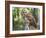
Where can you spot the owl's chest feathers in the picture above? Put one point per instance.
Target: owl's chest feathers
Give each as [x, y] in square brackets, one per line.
[29, 22]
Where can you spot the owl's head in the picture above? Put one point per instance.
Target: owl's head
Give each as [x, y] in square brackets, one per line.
[25, 11]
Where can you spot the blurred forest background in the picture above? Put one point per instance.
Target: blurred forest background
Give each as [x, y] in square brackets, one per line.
[17, 17]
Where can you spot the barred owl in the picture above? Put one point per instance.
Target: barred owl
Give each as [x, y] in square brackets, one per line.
[29, 21]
